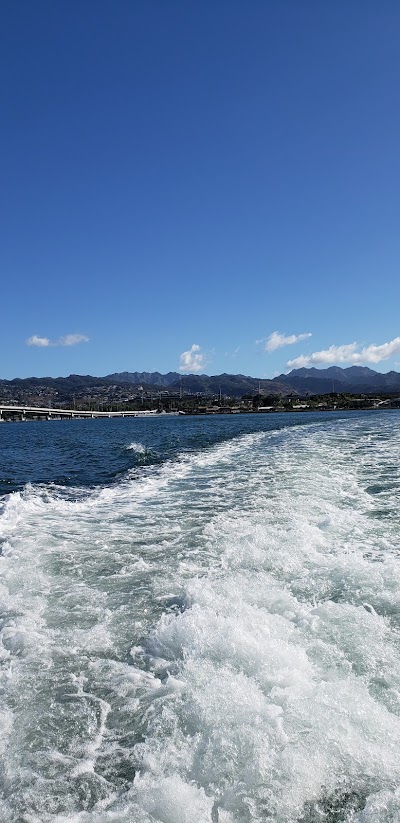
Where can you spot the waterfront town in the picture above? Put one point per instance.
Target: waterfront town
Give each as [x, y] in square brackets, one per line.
[117, 400]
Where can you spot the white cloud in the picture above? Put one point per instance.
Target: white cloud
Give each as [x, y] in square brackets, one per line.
[42, 342]
[276, 340]
[192, 360]
[348, 353]
[72, 340]
[66, 340]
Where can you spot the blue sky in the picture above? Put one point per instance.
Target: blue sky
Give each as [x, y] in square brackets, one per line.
[182, 180]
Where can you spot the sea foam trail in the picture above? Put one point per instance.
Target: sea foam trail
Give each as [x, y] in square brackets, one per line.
[216, 641]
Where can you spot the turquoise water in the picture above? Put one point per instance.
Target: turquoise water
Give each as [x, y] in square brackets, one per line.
[200, 620]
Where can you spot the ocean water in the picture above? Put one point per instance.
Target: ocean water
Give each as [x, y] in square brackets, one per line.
[200, 620]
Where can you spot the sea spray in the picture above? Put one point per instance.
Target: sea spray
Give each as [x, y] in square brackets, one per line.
[138, 448]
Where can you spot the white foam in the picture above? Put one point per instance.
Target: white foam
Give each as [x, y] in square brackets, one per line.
[271, 691]
[139, 448]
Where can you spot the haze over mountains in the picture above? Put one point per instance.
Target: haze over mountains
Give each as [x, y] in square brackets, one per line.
[354, 380]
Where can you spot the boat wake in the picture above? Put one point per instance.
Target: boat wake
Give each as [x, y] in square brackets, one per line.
[215, 641]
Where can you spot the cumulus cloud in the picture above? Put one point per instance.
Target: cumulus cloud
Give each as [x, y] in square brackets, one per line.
[347, 353]
[192, 360]
[66, 340]
[276, 340]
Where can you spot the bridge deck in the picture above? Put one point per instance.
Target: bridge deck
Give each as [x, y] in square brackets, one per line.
[41, 411]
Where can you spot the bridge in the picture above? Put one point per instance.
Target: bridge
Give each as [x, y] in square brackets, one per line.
[42, 413]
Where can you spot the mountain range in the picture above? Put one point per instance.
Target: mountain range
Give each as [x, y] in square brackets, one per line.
[353, 380]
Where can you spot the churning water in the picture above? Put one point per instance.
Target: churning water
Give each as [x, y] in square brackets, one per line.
[200, 620]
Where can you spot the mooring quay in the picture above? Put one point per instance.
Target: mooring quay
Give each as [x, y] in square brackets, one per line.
[41, 413]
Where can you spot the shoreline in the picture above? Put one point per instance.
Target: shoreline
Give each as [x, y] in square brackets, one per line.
[26, 415]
